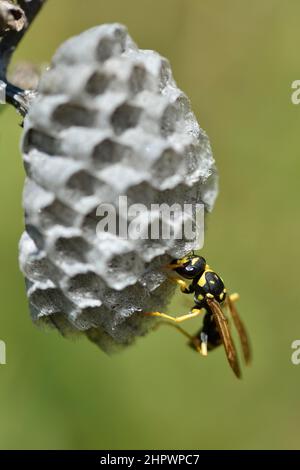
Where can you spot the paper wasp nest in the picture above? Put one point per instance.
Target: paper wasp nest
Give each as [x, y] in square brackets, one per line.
[109, 120]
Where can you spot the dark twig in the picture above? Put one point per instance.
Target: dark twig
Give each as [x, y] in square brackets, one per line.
[19, 98]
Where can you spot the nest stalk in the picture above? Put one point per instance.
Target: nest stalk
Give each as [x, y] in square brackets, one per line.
[15, 20]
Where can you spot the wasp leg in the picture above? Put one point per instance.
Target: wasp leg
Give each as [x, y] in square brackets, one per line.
[194, 340]
[204, 341]
[234, 297]
[193, 314]
[184, 287]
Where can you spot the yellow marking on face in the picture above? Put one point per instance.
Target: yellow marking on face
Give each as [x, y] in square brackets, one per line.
[195, 260]
[200, 297]
[222, 296]
[210, 296]
[224, 290]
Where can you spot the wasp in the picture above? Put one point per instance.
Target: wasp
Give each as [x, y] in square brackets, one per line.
[210, 296]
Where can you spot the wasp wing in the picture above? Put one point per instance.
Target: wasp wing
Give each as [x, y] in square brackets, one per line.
[223, 328]
[241, 330]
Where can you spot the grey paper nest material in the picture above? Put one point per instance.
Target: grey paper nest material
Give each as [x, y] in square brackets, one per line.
[109, 121]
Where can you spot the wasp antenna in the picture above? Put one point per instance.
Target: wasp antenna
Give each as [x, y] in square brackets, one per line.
[172, 266]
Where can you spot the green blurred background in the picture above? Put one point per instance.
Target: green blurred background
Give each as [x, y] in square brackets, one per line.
[236, 60]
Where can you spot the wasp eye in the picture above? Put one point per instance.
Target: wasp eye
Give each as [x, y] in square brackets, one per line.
[190, 269]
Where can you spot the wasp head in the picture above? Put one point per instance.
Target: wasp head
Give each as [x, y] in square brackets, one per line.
[190, 266]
